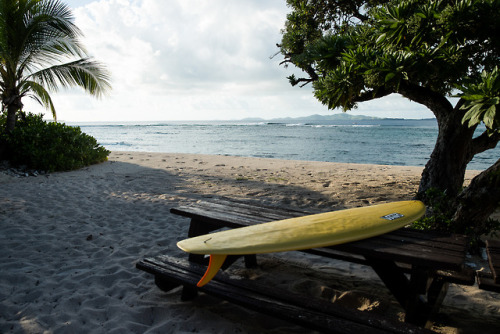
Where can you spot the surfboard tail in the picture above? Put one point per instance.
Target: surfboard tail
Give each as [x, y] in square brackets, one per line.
[216, 262]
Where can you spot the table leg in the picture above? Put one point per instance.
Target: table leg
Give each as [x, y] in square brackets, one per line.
[393, 278]
[417, 308]
[436, 293]
[196, 228]
[408, 292]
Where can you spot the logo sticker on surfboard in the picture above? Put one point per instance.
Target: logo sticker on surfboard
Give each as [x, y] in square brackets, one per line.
[392, 216]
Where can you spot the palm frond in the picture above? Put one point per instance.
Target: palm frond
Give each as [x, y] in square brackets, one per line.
[48, 53]
[40, 51]
[50, 33]
[85, 73]
[39, 94]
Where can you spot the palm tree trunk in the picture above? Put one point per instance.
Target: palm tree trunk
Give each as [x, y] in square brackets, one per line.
[9, 127]
[12, 109]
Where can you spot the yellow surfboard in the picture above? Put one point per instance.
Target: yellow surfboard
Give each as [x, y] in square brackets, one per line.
[319, 230]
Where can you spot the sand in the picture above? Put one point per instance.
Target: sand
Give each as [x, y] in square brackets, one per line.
[69, 243]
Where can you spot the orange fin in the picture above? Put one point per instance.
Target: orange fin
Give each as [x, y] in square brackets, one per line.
[216, 262]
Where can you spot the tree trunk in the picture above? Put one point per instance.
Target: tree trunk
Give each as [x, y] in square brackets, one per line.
[12, 110]
[13, 104]
[445, 170]
[478, 201]
[3, 148]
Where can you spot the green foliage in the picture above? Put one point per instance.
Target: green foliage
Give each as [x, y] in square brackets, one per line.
[360, 50]
[481, 101]
[51, 146]
[440, 214]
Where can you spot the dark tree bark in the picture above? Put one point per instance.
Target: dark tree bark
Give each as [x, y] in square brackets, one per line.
[455, 147]
[3, 149]
[445, 170]
[478, 201]
[13, 107]
[446, 167]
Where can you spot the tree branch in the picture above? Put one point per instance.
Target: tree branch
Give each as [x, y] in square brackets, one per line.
[304, 80]
[436, 102]
[372, 94]
[485, 142]
[312, 73]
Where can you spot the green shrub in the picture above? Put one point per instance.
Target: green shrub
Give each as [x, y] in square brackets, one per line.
[439, 217]
[51, 146]
[439, 214]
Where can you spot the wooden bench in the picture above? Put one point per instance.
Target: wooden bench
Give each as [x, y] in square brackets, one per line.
[316, 314]
[487, 281]
[415, 266]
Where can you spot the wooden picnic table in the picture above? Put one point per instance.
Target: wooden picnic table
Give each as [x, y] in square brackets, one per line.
[415, 266]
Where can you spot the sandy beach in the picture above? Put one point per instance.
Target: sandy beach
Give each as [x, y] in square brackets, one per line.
[69, 243]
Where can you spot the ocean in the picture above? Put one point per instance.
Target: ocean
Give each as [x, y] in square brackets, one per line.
[379, 141]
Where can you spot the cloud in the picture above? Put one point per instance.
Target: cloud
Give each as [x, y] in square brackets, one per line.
[187, 59]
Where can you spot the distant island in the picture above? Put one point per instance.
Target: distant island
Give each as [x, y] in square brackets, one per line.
[323, 118]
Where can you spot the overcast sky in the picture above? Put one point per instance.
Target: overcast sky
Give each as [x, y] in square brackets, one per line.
[194, 60]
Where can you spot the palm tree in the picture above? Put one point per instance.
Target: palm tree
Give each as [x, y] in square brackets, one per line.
[40, 52]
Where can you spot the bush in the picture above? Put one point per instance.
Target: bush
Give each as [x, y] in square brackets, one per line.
[439, 212]
[50, 146]
[439, 217]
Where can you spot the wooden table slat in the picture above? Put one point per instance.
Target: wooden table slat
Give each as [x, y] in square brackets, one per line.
[262, 207]
[412, 254]
[219, 211]
[219, 217]
[452, 239]
[427, 240]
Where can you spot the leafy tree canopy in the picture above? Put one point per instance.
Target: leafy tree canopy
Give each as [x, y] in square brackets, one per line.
[354, 51]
